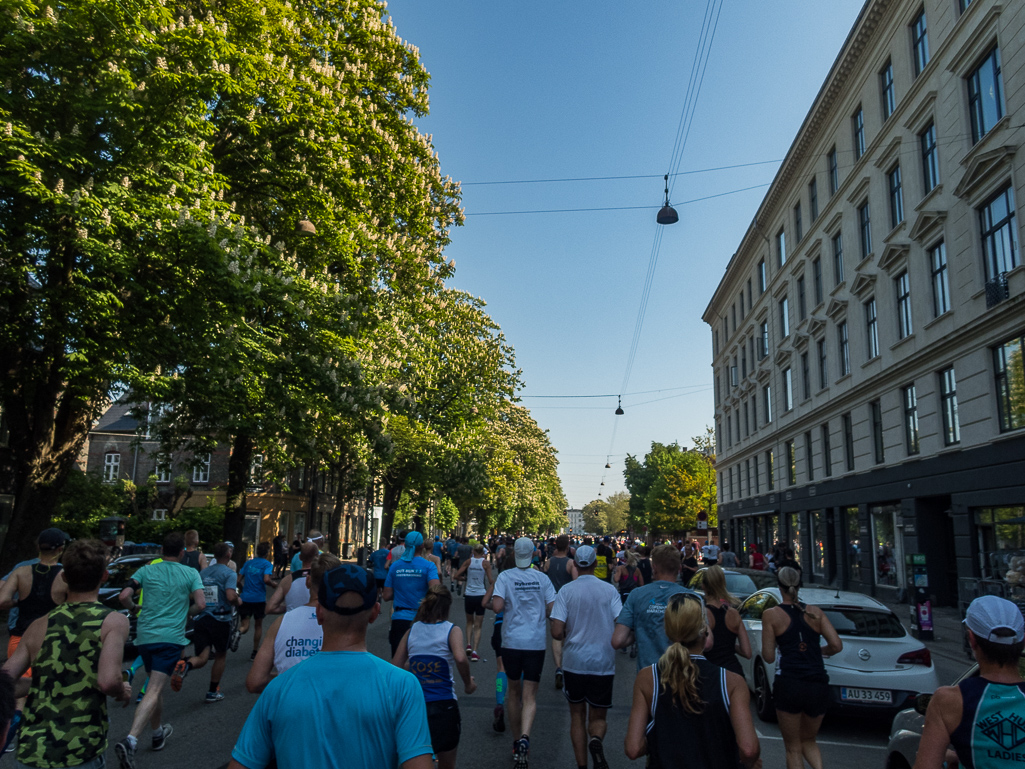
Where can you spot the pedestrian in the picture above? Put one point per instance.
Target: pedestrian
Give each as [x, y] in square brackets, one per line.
[280, 549]
[584, 618]
[451, 548]
[687, 712]
[406, 584]
[559, 568]
[605, 553]
[438, 548]
[398, 548]
[432, 650]
[729, 636]
[379, 562]
[343, 706]
[477, 572]
[688, 564]
[526, 597]
[254, 578]
[640, 621]
[710, 553]
[160, 635]
[212, 633]
[193, 554]
[728, 558]
[978, 714]
[756, 559]
[292, 591]
[75, 654]
[801, 688]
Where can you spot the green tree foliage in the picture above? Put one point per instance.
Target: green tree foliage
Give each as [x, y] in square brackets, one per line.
[595, 517]
[675, 485]
[617, 511]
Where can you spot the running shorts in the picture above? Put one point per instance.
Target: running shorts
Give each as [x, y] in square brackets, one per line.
[12, 645]
[455, 565]
[253, 609]
[445, 725]
[496, 639]
[523, 663]
[796, 695]
[211, 632]
[160, 658]
[595, 690]
[474, 604]
[380, 582]
[397, 630]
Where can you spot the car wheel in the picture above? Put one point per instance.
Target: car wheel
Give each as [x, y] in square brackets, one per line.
[763, 695]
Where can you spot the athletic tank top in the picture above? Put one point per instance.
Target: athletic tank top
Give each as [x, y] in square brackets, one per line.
[601, 567]
[992, 729]
[708, 735]
[645, 566]
[39, 601]
[475, 578]
[628, 580]
[66, 714]
[431, 660]
[800, 655]
[723, 652]
[299, 636]
[558, 571]
[191, 558]
[298, 594]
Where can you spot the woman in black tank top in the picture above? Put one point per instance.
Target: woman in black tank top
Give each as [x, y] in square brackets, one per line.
[686, 711]
[729, 636]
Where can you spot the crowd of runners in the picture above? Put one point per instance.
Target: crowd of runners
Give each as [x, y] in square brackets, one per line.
[318, 683]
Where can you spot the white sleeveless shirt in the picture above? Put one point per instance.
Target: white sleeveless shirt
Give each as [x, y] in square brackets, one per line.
[299, 637]
[475, 581]
[298, 594]
[431, 660]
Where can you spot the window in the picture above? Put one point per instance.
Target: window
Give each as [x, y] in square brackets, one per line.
[865, 226]
[876, 409]
[160, 515]
[910, 419]
[743, 362]
[747, 420]
[838, 257]
[770, 481]
[848, 441]
[823, 373]
[788, 389]
[920, 42]
[805, 376]
[940, 289]
[896, 197]
[784, 317]
[816, 271]
[754, 414]
[111, 467]
[948, 407]
[715, 342]
[985, 100]
[963, 5]
[1009, 372]
[886, 90]
[791, 459]
[808, 457]
[999, 234]
[858, 127]
[781, 247]
[725, 328]
[813, 199]
[738, 427]
[834, 172]
[764, 340]
[798, 224]
[750, 302]
[733, 314]
[734, 370]
[758, 482]
[903, 288]
[730, 489]
[843, 346]
[761, 277]
[853, 543]
[742, 305]
[871, 328]
[718, 442]
[802, 308]
[747, 472]
[729, 429]
[827, 452]
[930, 159]
[201, 471]
[256, 469]
[767, 403]
[163, 469]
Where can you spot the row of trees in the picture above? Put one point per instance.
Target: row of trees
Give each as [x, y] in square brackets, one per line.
[226, 209]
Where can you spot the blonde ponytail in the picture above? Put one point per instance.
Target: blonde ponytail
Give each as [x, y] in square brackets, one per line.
[789, 580]
[685, 623]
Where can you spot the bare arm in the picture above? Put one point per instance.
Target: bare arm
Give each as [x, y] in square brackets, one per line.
[127, 596]
[498, 604]
[59, 589]
[636, 743]
[462, 569]
[417, 762]
[276, 604]
[8, 589]
[622, 637]
[262, 670]
[456, 645]
[736, 625]
[769, 636]
[401, 658]
[740, 717]
[432, 582]
[198, 602]
[387, 594]
[203, 562]
[558, 629]
[942, 717]
[27, 650]
[113, 634]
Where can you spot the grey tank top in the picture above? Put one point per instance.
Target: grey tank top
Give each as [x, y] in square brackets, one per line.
[558, 572]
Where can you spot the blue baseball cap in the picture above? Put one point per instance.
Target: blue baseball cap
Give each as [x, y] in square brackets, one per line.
[413, 540]
[347, 578]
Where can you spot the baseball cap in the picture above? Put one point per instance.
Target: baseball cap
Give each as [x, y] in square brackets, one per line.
[585, 556]
[989, 613]
[524, 552]
[50, 539]
[413, 540]
[347, 578]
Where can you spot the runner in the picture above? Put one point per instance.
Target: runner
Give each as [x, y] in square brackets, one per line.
[526, 597]
[34, 588]
[585, 618]
[280, 549]
[438, 548]
[729, 558]
[451, 548]
[212, 634]
[379, 560]
[729, 636]
[292, 590]
[560, 571]
[463, 554]
[160, 635]
[407, 583]
[193, 554]
[710, 553]
[254, 577]
[317, 539]
[605, 554]
[477, 572]
[501, 679]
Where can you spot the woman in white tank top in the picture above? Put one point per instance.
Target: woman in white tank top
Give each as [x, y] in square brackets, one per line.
[478, 579]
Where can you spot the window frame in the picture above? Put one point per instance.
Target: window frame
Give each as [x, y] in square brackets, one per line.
[802, 303]
[902, 289]
[784, 316]
[798, 223]
[848, 441]
[992, 260]
[865, 229]
[939, 279]
[909, 399]
[843, 345]
[919, 42]
[976, 91]
[858, 133]
[876, 417]
[805, 375]
[763, 278]
[770, 469]
[1002, 378]
[767, 403]
[834, 171]
[808, 456]
[787, 376]
[201, 469]
[871, 327]
[813, 199]
[930, 157]
[823, 358]
[111, 466]
[886, 91]
[827, 451]
[948, 407]
[790, 451]
[781, 247]
[838, 270]
[816, 273]
[895, 187]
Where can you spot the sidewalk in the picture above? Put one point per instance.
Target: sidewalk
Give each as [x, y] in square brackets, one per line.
[948, 632]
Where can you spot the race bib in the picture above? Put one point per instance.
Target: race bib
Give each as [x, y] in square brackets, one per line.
[210, 592]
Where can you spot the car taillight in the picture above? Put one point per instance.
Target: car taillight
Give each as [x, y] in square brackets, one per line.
[918, 657]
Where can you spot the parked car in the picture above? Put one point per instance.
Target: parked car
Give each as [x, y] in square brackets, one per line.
[739, 585]
[881, 670]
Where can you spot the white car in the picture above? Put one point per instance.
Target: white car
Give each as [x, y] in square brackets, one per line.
[880, 670]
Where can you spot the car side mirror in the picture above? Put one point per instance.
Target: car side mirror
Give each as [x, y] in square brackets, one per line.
[922, 703]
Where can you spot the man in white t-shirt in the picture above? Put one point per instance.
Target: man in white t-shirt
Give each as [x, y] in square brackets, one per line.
[526, 596]
[710, 553]
[584, 618]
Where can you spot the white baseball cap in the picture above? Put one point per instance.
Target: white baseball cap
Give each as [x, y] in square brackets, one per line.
[524, 552]
[989, 613]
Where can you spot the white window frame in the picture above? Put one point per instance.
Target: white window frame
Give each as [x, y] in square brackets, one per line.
[111, 466]
[201, 472]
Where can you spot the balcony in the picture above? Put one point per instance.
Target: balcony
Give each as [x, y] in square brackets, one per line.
[996, 290]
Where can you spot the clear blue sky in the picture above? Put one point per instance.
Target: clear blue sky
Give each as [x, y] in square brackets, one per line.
[533, 90]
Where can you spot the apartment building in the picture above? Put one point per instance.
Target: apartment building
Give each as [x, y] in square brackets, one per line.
[867, 335]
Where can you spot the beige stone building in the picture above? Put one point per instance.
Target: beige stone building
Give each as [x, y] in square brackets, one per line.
[868, 332]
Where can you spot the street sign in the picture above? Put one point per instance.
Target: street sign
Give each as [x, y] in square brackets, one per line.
[702, 525]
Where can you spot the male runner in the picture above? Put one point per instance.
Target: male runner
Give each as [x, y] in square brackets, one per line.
[525, 596]
[605, 563]
[710, 553]
[379, 561]
[36, 585]
[451, 548]
[560, 572]
[585, 617]
[280, 549]
[317, 539]
[407, 583]
[463, 554]
[477, 573]
[253, 578]
[292, 590]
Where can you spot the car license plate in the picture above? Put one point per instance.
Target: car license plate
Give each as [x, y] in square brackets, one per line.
[874, 696]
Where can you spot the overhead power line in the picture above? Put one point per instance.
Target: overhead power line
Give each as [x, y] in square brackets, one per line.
[619, 178]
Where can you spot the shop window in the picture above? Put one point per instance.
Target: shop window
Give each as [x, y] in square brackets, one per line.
[887, 547]
[1001, 533]
[853, 543]
[818, 542]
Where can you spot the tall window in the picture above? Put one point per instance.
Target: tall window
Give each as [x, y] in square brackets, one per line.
[813, 198]
[805, 375]
[747, 420]
[201, 471]
[754, 414]
[816, 272]
[798, 224]
[865, 227]
[876, 409]
[940, 289]
[896, 197]
[823, 373]
[758, 482]
[920, 42]
[781, 247]
[788, 389]
[761, 277]
[808, 457]
[750, 302]
[784, 317]
[903, 287]
[871, 328]
[843, 345]
[767, 403]
[930, 159]
[747, 472]
[111, 467]
[802, 305]
[163, 469]
[886, 90]
[729, 429]
[1009, 372]
[948, 407]
[730, 487]
[999, 233]
[770, 469]
[910, 419]
[985, 100]
[834, 172]
[827, 452]
[791, 459]
[764, 340]
[742, 305]
[848, 441]
[838, 257]
[743, 362]
[858, 127]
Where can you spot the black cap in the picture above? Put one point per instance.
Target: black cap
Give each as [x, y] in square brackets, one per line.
[51, 539]
[347, 578]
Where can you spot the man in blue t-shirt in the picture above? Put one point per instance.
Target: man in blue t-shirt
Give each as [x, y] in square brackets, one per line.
[254, 577]
[383, 719]
[439, 548]
[379, 560]
[407, 583]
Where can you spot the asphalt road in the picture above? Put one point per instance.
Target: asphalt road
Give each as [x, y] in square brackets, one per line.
[205, 734]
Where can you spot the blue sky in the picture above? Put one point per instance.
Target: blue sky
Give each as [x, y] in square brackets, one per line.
[553, 90]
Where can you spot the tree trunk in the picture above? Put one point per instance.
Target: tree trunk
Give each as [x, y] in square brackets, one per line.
[390, 503]
[235, 504]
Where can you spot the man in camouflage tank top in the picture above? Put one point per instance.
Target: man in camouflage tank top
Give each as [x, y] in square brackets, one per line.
[75, 653]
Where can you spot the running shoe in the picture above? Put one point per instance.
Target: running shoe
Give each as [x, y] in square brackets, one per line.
[234, 638]
[597, 753]
[165, 731]
[499, 723]
[178, 676]
[125, 754]
[468, 648]
[214, 696]
[558, 678]
[520, 749]
[474, 657]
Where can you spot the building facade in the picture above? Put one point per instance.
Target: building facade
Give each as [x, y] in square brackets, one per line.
[575, 521]
[868, 333]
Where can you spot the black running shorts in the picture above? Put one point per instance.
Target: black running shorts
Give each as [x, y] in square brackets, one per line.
[444, 724]
[596, 691]
[523, 663]
[253, 609]
[474, 604]
[397, 630]
[211, 632]
[794, 695]
[496, 639]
